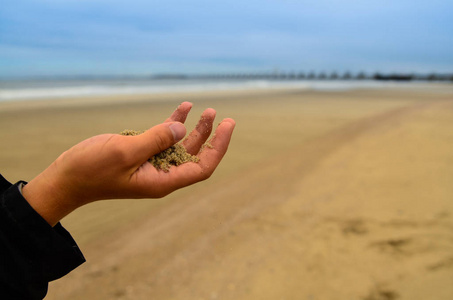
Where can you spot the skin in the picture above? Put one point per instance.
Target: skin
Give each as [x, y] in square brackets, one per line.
[112, 166]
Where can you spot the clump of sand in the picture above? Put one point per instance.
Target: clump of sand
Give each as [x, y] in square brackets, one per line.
[130, 132]
[173, 156]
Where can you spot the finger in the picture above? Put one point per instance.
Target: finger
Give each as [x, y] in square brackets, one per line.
[217, 146]
[156, 140]
[181, 112]
[201, 133]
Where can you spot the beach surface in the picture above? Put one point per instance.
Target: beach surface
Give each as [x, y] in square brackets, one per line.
[322, 195]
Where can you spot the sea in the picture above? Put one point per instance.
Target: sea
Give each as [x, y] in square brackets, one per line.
[57, 88]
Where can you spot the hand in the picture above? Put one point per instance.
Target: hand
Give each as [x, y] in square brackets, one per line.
[112, 166]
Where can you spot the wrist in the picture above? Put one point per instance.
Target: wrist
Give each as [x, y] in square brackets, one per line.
[47, 198]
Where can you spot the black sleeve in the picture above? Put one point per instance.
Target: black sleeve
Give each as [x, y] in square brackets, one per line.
[32, 253]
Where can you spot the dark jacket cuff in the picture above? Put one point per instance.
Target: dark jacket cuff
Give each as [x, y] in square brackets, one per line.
[52, 251]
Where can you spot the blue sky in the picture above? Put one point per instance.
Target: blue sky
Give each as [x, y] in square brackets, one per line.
[100, 37]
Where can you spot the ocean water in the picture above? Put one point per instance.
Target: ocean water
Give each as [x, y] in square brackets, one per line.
[16, 90]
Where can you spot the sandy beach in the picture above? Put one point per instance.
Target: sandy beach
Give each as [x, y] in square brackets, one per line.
[322, 195]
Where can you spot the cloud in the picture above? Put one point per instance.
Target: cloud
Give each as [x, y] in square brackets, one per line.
[225, 34]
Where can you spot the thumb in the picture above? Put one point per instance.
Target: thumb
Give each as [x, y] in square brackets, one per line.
[159, 138]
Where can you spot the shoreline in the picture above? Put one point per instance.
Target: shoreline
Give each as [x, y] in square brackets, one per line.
[169, 94]
[127, 99]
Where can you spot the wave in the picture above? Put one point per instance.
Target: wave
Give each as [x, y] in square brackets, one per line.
[66, 89]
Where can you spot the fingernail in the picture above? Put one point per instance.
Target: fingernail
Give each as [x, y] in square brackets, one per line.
[178, 130]
[229, 121]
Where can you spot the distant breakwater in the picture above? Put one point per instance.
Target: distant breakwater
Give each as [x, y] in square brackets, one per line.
[316, 76]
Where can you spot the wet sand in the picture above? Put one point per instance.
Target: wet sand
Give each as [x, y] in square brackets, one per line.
[322, 195]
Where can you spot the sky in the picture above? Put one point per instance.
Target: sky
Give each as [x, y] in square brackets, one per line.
[145, 37]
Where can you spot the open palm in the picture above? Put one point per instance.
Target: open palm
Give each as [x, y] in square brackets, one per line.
[112, 166]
